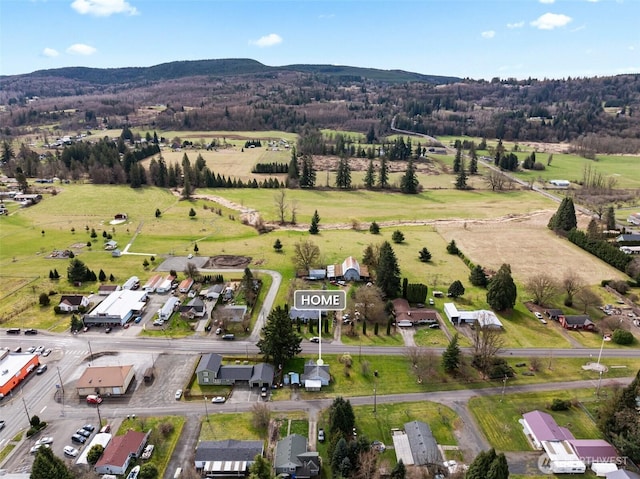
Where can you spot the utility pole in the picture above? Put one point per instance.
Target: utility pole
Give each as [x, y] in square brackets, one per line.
[90, 353]
[61, 388]
[206, 411]
[26, 410]
[504, 386]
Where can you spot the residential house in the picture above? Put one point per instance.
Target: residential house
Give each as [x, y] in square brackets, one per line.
[580, 321]
[566, 454]
[416, 445]
[168, 308]
[73, 302]
[120, 451]
[292, 457]
[482, 317]
[628, 240]
[213, 293]
[110, 245]
[210, 370]
[151, 285]
[186, 285]
[304, 315]
[195, 308]
[315, 376]
[348, 270]
[622, 474]
[554, 314]
[228, 458]
[404, 312]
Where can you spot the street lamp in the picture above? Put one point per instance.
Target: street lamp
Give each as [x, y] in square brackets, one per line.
[504, 385]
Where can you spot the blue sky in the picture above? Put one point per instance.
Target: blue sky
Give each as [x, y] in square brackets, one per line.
[465, 38]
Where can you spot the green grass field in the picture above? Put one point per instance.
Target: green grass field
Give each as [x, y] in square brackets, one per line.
[499, 419]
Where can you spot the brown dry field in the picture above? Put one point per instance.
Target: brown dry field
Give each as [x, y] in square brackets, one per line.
[527, 245]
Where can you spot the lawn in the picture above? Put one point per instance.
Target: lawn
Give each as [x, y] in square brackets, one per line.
[499, 419]
[165, 432]
[221, 426]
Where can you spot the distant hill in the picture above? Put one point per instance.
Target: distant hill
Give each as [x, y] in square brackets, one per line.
[223, 67]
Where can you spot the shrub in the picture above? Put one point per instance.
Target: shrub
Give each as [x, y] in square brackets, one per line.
[620, 336]
[166, 429]
[560, 405]
[620, 286]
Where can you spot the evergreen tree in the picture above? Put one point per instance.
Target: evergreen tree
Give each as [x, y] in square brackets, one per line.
[102, 276]
[277, 245]
[425, 255]
[502, 291]
[340, 453]
[49, 466]
[593, 230]
[260, 468]
[248, 288]
[374, 229]
[294, 172]
[461, 179]
[409, 182]
[370, 176]
[397, 237]
[457, 161]
[315, 219]
[388, 272]
[452, 248]
[456, 289]
[477, 277]
[158, 213]
[279, 341]
[499, 468]
[473, 163]
[610, 219]
[479, 468]
[343, 176]
[341, 417]
[399, 471]
[371, 135]
[77, 271]
[308, 177]
[383, 174]
[451, 356]
[192, 213]
[564, 219]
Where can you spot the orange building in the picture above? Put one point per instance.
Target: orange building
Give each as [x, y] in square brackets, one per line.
[14, 367]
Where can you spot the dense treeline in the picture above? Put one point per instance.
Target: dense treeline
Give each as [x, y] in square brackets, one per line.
[598, 114]
[600, 248]
[270, 168]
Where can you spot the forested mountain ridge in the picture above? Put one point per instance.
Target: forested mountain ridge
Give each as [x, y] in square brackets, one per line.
[599, 114]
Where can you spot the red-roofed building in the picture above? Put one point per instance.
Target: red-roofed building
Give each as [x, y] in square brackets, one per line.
[120, 451]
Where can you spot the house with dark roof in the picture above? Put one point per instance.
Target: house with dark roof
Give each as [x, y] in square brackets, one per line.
[315, 376]
[622, 474]
[120, 451]
[554, 314]
[628, 240]
[580, 321]
[72, 302]
[594, 450]
[193, 309]
[228, 458]
[403, 311]
[292, 457]
[107, 289]
[417, 446]
[211, 371]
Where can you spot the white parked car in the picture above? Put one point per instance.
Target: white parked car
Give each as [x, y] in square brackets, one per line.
[538, 315]
[44, 440]
[35, 448]
[148, 450]
[218, 399]
[178, 394]
[70, 451]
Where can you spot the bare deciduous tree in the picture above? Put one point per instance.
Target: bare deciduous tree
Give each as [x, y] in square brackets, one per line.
[260, 417]
[306, 255]
[542, 287]
[588, 298]
[191, 271]
[369, 302]
[280, 200]
[487, 343]
[571, 284]
[496, 180]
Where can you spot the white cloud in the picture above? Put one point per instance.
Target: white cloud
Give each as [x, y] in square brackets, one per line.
[103, 8]
[81, 49]
[50, 52]
[267, 41]
[547, 1]
[515, 25]
[549, 21]
[488, 34]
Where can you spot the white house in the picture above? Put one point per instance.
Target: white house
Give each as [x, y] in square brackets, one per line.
[169, 307]
[72, 302]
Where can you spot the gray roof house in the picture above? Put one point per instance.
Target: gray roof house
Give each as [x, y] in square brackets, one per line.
[622, 474]
[193, 309]
[291, 457]
[228, 458]
[315, 376]
[210, 370]
[424, 447]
